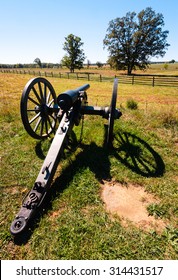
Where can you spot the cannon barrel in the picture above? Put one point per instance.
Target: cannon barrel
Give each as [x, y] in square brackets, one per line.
[66, 99]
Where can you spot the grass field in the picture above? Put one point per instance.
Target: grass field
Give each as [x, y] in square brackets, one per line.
[74, 223]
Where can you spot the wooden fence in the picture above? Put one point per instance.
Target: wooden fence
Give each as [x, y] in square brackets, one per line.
[151, 80]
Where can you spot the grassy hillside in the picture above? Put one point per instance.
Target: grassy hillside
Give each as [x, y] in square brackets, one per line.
[74, 222]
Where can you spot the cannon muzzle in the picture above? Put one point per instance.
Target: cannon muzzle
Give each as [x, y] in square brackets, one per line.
[67, 99]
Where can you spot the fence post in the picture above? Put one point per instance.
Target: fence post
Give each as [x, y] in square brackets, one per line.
[132, 80]
[100, 78]
[153, 82]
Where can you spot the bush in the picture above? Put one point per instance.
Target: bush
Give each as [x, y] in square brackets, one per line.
[131, 104]
[169, 119]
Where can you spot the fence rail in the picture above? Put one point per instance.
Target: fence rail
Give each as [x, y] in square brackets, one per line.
[155, 80]
[151, 80]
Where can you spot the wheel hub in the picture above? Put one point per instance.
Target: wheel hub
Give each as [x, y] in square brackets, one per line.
[43, 109]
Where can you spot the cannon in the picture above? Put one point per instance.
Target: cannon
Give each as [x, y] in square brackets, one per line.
[44, 113]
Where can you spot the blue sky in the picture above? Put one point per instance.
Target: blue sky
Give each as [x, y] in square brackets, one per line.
[37, 28]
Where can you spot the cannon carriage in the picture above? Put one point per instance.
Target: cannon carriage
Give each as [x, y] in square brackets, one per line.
[44, 113]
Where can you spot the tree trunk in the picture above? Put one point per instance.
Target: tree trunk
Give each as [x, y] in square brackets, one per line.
[129, 69]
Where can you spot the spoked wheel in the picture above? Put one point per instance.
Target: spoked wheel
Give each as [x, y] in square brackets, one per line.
[39, 108]
[112, 113]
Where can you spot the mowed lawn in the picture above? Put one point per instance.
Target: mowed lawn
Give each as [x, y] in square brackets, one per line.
[74, 222]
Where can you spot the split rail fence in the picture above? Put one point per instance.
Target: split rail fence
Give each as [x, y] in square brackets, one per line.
[151, 80]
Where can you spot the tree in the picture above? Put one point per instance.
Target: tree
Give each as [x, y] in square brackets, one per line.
[75, 55]
[38, 62]
[99, 64]
[132, 40]
[172, 61]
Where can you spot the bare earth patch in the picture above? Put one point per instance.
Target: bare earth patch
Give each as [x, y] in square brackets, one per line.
[129, 202]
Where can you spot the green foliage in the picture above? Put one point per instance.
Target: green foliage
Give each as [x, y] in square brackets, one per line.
[172, 61]
[157, 210]
[38, 62]
[99, 64]
[166, 66]
[75, 56]
[131, 104]
[132, 41]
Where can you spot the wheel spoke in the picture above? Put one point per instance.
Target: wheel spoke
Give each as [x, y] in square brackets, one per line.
[49, 121]
[46, 126]
[32, 100]
[31, 110]
[48, 97]
[45, 93]
[34, 118]
[49, 104]
[42, 125]
[37, 124]
[41, 92]
[36, 94]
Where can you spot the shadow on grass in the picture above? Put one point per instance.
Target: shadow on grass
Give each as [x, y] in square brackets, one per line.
[137, 155]
[129, 149]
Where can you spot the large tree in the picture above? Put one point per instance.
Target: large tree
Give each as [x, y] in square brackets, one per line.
[38, 62]
[75, 55]
[132, 40]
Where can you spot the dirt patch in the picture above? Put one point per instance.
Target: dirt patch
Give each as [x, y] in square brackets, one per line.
[130, 203]
[56, 214]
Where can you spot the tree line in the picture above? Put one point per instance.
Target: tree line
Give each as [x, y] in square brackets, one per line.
[30, 65]
[131, 41]
[41, 65]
